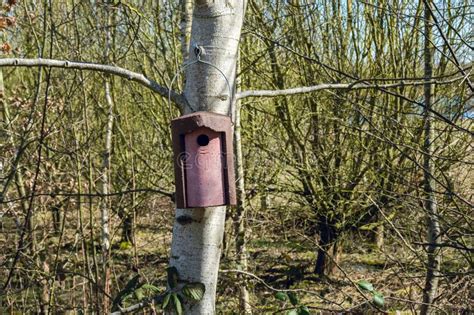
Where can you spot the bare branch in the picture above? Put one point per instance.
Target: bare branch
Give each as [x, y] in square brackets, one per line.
[336, 86]
[118, 71]
[356, 86]
[89, 195]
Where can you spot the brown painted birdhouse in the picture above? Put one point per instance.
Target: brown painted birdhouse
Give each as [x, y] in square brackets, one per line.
[203, 160]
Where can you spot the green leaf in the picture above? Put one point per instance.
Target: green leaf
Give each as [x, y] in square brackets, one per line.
[139, 294]
[194, 291]
[282, 296]
[378, 300]
[126, 299]
[166, 300]
[365, 285]
[293, 311]
[293, 298]
[303, 310]
[370, 226]
[172, 277]
[177, 304]
[150, 288]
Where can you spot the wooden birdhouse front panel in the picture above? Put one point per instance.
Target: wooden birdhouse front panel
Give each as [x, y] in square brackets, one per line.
[204, 168]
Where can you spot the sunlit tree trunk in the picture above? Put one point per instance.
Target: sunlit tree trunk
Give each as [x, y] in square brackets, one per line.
[105, 202]
[241, 213]
[198, 232]
[186, 23]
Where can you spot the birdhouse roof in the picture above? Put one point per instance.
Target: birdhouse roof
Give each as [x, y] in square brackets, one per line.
[190, 122]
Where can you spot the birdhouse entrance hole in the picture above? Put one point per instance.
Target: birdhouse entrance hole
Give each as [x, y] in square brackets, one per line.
[203, 140]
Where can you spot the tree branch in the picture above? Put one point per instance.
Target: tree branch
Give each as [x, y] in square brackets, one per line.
[357, 86]
[90, 195]
[336, 86]
[118, 71]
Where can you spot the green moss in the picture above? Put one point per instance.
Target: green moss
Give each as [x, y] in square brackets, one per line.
[373, 259]
[125, 245]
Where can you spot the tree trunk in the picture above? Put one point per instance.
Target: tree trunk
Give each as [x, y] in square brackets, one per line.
[127, 228]
[56, 216]
[105, 202]
[430, 204]
[379, 236]
[376, 234]
[240, 216]
[328, 251]
[198, 232]
[186, 20]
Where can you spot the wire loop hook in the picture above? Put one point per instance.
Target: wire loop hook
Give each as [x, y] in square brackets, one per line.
[197, 52]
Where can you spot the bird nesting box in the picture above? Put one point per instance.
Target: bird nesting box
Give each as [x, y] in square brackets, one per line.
[203, 160]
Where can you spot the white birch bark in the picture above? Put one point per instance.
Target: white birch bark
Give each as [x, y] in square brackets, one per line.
[215, 32]
[186, 20]
[198, 233]
[105, 202]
